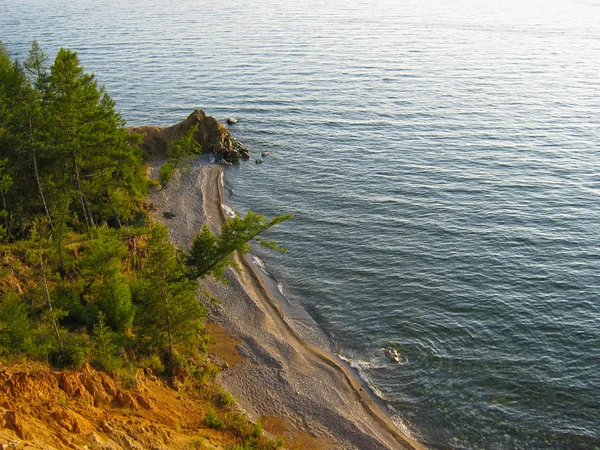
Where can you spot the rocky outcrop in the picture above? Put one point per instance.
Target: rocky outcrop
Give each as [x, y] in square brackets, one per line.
[211, 135]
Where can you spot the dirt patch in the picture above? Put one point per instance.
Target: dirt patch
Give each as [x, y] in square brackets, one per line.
[223, 345]
[294, 440]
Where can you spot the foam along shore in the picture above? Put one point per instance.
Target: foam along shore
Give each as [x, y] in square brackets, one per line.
[306, 393]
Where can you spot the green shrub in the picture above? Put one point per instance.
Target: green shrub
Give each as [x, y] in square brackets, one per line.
[165, 173]
[207, 372]
[222, 397]
[198, 442]
[212, 421]
[77, 351]
[114, 300]
[152, 362]
[126, 374]
[105, 351]
[15, 328]
[235, 420]
[257, 431]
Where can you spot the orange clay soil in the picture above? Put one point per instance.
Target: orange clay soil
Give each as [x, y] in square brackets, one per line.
[46, 409]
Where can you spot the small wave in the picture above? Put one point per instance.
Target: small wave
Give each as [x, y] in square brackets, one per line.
[260, 263]
[229, 211]
[402, 426]
[396, 418]
[280, 288]
[363, 376]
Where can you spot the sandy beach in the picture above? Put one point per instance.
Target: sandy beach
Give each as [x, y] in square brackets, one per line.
[294, 387]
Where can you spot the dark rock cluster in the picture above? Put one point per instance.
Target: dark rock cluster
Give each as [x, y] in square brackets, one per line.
[230, 150]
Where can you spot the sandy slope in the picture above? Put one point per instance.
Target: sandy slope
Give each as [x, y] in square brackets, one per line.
[294, 386]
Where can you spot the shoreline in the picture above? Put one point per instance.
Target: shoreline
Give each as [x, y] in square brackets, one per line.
[315, 394]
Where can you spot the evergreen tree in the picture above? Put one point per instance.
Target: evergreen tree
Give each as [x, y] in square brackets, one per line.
[180, 154]
[33, 125]
[15, 327]
[73, 102]
[211, 255]
[169, 316]
[105, 351]
[103, 288]
[68, 154]
[36, 65]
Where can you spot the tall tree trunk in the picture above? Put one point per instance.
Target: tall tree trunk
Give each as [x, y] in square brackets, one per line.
[168, 312]
[89, 221]
[60, 249]
[36, 174]
[60, 243]
[113, 209]
[6, 221]
[49, 301]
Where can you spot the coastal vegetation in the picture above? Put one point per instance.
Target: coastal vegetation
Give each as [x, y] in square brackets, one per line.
[85, 275]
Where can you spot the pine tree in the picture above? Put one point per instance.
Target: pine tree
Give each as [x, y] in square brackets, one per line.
[211, 255]
[105, 351]
[103, 287]
[170, 317]
[15, 327]
[180, 154]
[103, 164]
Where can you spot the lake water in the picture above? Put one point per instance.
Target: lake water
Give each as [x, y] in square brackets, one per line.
[442, 160]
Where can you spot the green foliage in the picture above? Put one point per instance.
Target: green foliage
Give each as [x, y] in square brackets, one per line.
[77, 348]
[104, 351]
[36, 66]
[153, 363]
[180, 154]
[186, 146]
[198, 442]
[212, 421]
[165, 173]
[223, 398]
[82, 276]
[15, 328]
[169, 314]
[101, 286]
[254, 438]
[207, 372]
[211, 255]
[114, 300]
[126, 373]
[63, 141]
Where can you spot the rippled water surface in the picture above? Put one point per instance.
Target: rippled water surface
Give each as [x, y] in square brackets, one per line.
[442, 160]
